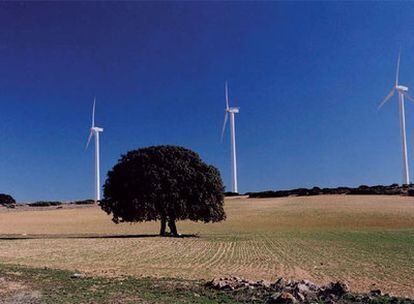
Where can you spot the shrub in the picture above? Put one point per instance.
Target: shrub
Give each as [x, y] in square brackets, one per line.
[45, 204]
[266, 194]
[84, 202]
[300, 192]
[166, 183]
[393, 189]
[6, 200]
[315, 191]
[231, 193]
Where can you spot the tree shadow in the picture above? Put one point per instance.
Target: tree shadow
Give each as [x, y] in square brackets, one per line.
[15, 237]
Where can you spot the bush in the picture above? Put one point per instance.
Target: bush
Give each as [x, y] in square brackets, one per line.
[266, 194]
[364, 190]
[84, 202]
[166, 183]
[410, 192]
[45, 204]
[300, 192]
[393, 189]
[231, 194]
[338, 190]
[377, 190]
[315, 191]
[6, 200]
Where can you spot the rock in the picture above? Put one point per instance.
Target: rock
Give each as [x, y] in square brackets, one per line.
[272, 299]
[213, 283]
[226, 283]
[281, 298]
[375, 293]
[280, 284]
[306, 290]
[333, 290]
[263, 283]
[286, 291]
[310, 284]
[294, 292]
[234, 283]
[300, 297]
[223, 285]
[77, 276]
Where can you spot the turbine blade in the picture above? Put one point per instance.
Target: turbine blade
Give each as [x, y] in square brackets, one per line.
[89, 140]
[397, 75]
[227, 96]
[390, 94]
[93, 112]
[409, 97]
[224, 126]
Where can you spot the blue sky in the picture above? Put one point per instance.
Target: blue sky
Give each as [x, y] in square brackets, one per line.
[307, 77]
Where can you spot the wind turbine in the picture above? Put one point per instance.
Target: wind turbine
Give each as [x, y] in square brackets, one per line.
[231, 112]
[95, 132]
[402, 92]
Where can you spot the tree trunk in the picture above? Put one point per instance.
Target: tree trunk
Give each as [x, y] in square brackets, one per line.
[173, 228]
[163, 226]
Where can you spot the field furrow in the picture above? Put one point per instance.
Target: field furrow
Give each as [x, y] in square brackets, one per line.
[358, 239]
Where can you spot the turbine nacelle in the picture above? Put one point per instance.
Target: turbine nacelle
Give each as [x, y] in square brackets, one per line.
[96, 129]
[233, 110]
[401, 88]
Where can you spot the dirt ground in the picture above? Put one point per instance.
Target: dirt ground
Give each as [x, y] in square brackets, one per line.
[367, 241]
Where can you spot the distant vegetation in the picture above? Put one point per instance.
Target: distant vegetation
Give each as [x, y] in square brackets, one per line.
[231, 194]
[166, 183]
[58, 203]
[84, 202]
[45, 204]
[7, 200]
[393, 189]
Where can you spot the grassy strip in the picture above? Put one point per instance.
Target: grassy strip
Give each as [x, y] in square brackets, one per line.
[57, 286]
[51, 286]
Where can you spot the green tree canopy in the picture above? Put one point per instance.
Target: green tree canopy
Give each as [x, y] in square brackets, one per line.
[6, 200]
[166, 183]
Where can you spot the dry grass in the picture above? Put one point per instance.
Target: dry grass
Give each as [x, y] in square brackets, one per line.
[364, 240]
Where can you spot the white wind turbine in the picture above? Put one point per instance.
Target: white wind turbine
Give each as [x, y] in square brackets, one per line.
[95, 132]
[231, 111]
[402, 92]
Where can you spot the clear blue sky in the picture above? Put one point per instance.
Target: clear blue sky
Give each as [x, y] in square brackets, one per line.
[307, 77]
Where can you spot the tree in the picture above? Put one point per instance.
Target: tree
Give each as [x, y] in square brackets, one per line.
[166, 183]
[6, 200]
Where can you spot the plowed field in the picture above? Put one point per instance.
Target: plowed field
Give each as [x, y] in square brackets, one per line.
[367, 241]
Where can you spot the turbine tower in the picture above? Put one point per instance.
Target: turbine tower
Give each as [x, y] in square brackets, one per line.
[231, 112]
[95, 132]
[402, 92]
